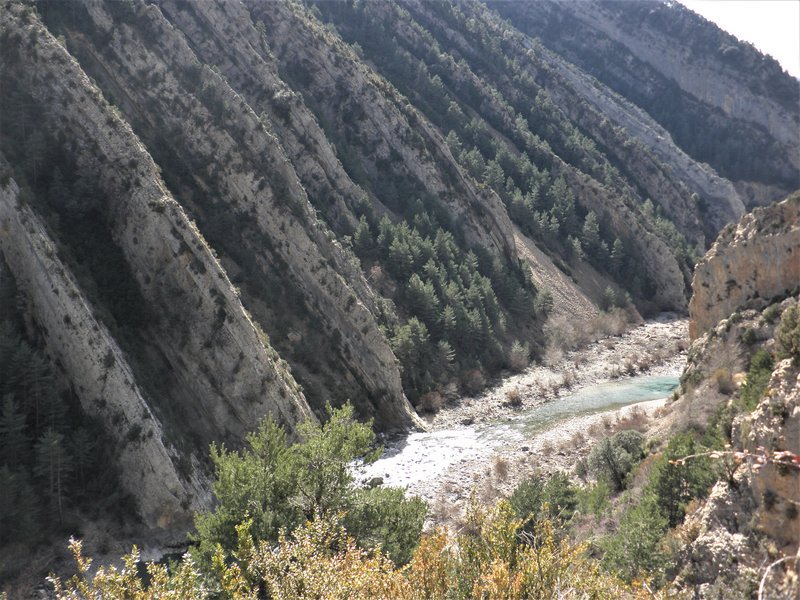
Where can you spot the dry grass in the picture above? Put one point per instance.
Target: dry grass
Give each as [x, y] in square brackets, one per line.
[636, 419]
[500, 468]
[567, 379]
[724, 381]
[578, 439]
[553, 356]
[629, 366]
[513, 398]
[595, 430]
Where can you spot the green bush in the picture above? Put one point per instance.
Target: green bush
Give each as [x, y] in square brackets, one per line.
[614, 458]
[593, 499]
[788, 334]
[535, 500]
[757, 379]
[277, 487]
[674, 482]
[635, 550]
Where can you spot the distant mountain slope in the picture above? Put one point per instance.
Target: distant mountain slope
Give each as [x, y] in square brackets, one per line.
[722, 101]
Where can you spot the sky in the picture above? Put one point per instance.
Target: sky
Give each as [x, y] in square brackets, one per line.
[772, 26]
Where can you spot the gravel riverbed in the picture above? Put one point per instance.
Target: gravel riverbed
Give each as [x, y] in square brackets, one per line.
[474, 446]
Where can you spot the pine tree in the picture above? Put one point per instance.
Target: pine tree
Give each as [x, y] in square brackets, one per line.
[564, 206]
[617, 256]
[19, 508]
[421, 299]
[53, 465]
[14, 443]
[82, 446]
[362, 239]
[590, 234]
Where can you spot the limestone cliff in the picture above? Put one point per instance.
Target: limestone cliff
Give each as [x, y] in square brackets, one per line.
[269, 233]
[757, 258]
[750, 518]
[741, 383]
[106, 383]
[395, 145]
[499, 87]
[220, 377]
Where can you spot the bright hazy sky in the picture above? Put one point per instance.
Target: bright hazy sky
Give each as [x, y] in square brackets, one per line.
[772, 26]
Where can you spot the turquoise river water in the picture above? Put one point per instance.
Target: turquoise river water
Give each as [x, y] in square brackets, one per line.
[424, 456]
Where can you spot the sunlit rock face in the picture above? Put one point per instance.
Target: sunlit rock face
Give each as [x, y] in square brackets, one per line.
[758, 258]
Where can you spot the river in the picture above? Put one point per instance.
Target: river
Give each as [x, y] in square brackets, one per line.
[418, 461]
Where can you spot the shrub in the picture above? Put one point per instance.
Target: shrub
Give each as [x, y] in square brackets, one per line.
[675, 482]
[513, 397]
[554, 499]
[788, 334]
[500, 466]
[723, 380]
[519, 356]
[634, 551]
[771, 313]
[757, 379]
[614, 457]
[432, 402]
[383, 518]
[276, 487]
[593, 499]
[473, 381]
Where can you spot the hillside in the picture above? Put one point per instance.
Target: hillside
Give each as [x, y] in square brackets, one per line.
[211, 212]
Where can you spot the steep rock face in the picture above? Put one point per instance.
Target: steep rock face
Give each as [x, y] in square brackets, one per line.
[249, 202]
[750, 518]
[669, 291]
[219, 377]
[223, 34]
[775, 426]
[391, 136]
[758, 258]
[637, 143]
[646, 149]
[89, 355]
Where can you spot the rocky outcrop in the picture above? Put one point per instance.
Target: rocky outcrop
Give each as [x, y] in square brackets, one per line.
[222, 378]
[750, 518]
[757, 258]
[774, 426]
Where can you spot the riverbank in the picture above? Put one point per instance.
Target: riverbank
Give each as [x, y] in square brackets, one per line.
[474, 446]
[656, 347]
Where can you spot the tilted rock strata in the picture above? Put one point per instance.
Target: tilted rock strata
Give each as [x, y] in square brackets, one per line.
[757, 258]
[226, 379]
[105, 382]
[399, 137]
[151, 70]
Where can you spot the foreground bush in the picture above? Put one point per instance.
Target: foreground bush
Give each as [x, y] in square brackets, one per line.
[491, 558]
[276, 487]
